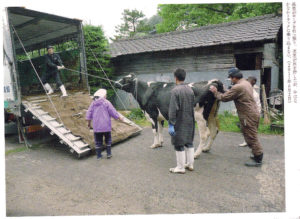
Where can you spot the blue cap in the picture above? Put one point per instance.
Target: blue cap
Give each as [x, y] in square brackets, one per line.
[234, 72]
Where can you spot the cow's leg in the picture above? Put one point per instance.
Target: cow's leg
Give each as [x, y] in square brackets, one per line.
[203, 130]
[156, 137]
[154, 130]
[212, 126]
[160, 132]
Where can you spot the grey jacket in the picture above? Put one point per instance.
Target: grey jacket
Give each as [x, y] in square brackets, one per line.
[181, 114]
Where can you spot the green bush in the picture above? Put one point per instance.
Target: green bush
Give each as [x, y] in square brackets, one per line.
[136, 114]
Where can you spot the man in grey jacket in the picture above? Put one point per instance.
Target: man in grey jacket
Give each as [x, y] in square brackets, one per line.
[182, 123]
[242, 95]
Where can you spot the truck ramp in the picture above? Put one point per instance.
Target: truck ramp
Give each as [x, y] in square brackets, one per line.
[71, 128]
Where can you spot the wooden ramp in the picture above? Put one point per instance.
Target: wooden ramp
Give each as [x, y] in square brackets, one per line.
[69, 122]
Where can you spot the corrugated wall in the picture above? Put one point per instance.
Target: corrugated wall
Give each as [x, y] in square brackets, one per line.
[191, 60]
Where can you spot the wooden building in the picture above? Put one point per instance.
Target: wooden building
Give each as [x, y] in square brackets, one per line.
[254, 45]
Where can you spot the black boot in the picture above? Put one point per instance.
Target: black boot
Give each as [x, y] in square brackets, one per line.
[256, 161]
[98, 152]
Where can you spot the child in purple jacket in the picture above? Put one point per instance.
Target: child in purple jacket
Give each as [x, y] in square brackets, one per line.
[100, 111]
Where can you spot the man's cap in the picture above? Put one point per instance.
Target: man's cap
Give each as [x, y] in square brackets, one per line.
[234, 72]
[100, 93]
[49, 47]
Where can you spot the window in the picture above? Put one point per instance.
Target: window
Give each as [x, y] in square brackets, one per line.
[248, 61]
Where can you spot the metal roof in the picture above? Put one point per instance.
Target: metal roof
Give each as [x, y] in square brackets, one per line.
[37, 29]
[246, 30]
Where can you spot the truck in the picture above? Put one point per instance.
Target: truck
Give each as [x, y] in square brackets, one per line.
[26, 35]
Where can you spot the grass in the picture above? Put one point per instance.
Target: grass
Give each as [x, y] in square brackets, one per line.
[227, 121]
[15, 150]
[20, 149]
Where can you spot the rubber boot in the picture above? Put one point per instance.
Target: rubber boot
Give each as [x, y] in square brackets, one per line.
[189, 159]
[256, 161]
[98, 153]
[180, 159]
[48, 88]
[63, 91]
[108, 151]
[244, 144]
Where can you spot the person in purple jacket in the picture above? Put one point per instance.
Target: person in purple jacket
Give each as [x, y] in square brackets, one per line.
[100, 111]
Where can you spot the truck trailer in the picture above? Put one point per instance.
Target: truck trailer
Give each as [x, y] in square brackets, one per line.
[26, 35]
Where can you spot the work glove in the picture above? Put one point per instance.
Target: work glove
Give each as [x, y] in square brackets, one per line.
[171, 130]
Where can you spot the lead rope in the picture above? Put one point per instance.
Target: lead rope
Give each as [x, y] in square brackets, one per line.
[37, 75]
[95, 76]
[136, 88]
[106, 75]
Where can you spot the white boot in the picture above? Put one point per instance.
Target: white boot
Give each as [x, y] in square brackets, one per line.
[63, 91]
[48, 88]
[244, 144]
[180, 158]
[189, 159]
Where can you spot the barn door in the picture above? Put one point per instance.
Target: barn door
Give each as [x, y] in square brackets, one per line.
[266, 79]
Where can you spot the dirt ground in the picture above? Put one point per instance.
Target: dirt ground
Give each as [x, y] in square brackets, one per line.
[48, 180]
[72, 111]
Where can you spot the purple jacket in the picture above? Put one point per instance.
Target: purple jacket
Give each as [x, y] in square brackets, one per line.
[100, 112]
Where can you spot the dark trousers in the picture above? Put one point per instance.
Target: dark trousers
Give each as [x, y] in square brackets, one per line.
[99, 142]
[181, 147]
[47, 75]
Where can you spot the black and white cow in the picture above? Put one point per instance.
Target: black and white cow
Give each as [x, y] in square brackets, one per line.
[154, 99]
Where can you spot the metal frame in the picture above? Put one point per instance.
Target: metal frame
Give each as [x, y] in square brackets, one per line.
[15, 71]
[77, 35]
[83, 67]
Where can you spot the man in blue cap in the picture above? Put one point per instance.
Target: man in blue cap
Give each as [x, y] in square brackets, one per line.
[242, 95]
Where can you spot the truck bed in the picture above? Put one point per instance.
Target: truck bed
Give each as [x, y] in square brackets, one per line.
[67, 120]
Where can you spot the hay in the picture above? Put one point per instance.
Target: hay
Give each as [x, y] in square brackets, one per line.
[72, 110]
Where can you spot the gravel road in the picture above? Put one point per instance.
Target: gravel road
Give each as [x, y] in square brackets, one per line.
[49, 181]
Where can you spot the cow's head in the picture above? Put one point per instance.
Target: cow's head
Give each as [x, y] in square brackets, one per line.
[127, 83]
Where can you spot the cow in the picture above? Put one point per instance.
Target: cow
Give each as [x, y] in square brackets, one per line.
[154, 98]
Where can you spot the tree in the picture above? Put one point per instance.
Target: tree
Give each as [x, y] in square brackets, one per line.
[184, 16]
[147, 26]
[96, 47]
[131, 19]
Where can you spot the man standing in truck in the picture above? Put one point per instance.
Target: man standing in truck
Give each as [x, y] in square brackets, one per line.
[53, 65]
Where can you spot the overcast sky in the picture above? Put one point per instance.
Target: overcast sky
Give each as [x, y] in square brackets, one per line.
[107, 13]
